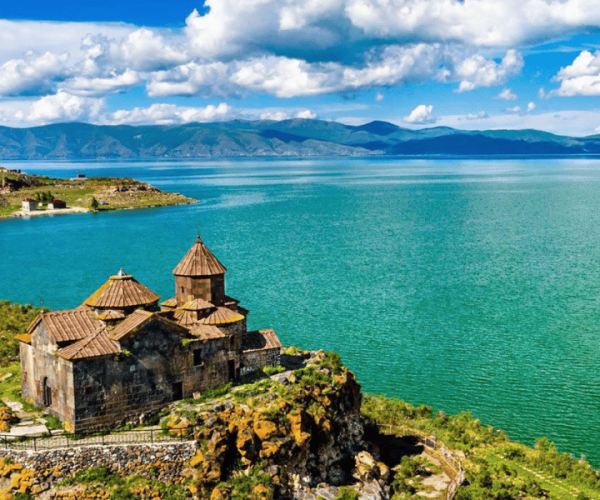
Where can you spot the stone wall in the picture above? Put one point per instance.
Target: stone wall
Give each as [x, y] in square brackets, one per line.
[256, 360]
[117, 389]
[155, 461]
[41, 368]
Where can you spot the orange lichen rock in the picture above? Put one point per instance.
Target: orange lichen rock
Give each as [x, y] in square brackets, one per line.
[264, 429]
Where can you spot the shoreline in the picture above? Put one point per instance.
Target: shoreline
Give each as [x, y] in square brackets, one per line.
[80, 210]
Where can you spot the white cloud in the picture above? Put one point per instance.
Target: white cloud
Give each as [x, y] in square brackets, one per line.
[33, 75]
[62, 107]
[582, 77]
[531, 106]
[307, 114]
[507, 95]
[274, 115]
[475, 116]
[379, 97]
[491, 23]
[421, 114]
[168, 114]
[211, 79]
[514, 110]
[576, 123]
[477, 71]
[81, 85]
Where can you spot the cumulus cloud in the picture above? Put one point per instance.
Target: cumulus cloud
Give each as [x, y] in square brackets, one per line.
[531, 106]
[379, 97]
[582, 77]
[81, 85]
[307, 114]
[274, 115]
[33, 75]
[507, 95]
[421, 114]
[169, 114]
[477, 71]
[62, 107]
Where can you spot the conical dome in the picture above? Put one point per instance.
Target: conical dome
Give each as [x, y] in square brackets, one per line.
[199, 261]
[121, 291]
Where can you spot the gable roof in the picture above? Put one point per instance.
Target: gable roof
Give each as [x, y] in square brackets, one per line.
[220, 316]
[139, 318]
[67, 326]
[97, 344]
[259, 340]
[199, 261]
[206, 332]
[121, 291]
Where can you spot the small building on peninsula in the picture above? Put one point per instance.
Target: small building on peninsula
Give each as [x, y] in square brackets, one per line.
[57, 204]
[29, 205]
[120, 356]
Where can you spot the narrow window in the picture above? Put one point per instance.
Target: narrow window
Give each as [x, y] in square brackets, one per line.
[198, 357]
[181, 289]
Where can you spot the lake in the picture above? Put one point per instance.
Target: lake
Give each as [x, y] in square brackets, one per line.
[462, 284]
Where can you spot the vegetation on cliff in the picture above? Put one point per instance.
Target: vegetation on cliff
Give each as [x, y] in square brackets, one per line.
[304, 431]
[95, 193]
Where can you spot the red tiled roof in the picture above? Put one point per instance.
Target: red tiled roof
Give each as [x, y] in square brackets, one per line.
[259, 340]
[120, 292]
[66, 326]
[186, 317]
[221, 315]
[199, 261]
[97, 344]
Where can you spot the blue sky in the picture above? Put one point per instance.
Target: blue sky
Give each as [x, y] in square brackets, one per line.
[470, 64]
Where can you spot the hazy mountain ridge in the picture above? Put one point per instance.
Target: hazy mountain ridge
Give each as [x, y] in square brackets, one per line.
[294, 137]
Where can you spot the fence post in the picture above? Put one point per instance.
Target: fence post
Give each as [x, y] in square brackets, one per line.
[152, 435]
[34, 443]
[102, 439]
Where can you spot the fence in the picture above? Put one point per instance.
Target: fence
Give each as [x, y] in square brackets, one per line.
[442, 452]
[153, 435]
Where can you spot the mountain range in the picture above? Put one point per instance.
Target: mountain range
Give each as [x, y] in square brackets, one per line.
[294, 137]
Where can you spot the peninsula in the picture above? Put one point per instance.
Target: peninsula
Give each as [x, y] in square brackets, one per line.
[23, 195]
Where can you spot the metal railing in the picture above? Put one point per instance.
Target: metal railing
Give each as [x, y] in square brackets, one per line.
[152, 435]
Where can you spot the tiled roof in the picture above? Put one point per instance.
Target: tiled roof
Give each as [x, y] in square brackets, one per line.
[221, 316]
[262, 339]
[206, 332]
[97, 344]
[65, 326]
[135, 320]
[186, 317]
[120, 292]
[169, 303]
[199, 261]
[110, 314]
[197, 305]
[24, 337]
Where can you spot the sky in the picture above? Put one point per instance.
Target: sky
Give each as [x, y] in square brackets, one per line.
[466, 64]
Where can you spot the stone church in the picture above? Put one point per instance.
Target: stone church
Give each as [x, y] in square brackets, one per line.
[120, 356]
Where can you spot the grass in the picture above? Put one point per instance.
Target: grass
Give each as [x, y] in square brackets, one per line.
[79, 193]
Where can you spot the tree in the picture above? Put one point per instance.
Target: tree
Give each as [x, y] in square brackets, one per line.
[94, 203]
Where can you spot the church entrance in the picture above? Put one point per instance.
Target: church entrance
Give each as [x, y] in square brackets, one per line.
[46, 392]
[177, 391]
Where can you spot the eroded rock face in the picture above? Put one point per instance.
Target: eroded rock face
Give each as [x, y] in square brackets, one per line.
[304, 429]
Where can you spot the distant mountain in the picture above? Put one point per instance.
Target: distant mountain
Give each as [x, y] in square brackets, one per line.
[296, 137]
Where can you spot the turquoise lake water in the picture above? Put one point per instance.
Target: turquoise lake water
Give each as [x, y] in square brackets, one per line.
[463, 284]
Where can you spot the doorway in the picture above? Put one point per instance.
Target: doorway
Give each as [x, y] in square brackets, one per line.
[177, 391]
[231, 366]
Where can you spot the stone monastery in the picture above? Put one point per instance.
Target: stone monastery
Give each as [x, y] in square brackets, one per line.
[119, 356]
